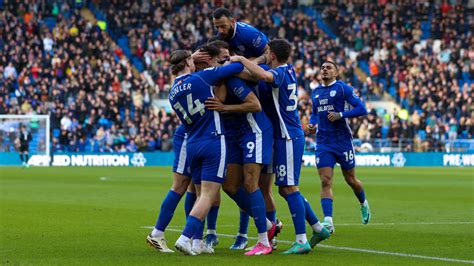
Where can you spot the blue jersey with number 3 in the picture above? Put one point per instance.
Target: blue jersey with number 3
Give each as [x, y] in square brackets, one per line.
[285, 98]
[187, 97]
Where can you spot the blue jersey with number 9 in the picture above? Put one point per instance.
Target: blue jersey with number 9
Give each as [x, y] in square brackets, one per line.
[187, 97]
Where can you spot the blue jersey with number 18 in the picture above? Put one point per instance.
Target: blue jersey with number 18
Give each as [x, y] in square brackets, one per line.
[285, 99]
[187, 97]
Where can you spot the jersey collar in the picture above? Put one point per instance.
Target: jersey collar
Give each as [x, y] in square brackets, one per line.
[180, 76]
[330, 84]
[235, 30]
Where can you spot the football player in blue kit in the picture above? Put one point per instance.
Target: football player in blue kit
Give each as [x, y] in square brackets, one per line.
[182, 174]
[206, 147]
[289, 141]
[248, 146]
[248, 41]
[243, 38]
[334, 138]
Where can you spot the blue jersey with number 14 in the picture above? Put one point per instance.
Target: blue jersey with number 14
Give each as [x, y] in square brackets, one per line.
[285, 99]
[187, 97]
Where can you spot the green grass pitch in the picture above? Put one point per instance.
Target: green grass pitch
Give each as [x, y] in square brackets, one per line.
[99, 216]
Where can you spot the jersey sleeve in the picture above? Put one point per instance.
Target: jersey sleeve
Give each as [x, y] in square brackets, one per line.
[238, 88]
[278, 77]
[213, 74]
[313, 119]
[351, 97]
[256, 39]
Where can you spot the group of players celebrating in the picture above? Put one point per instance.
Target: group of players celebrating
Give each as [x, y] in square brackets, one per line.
[237, 100]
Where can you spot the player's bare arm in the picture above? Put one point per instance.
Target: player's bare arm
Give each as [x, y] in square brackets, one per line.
[256, 70]
[251, 104]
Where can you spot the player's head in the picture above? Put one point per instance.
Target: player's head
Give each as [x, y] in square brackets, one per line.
[224, 22]
[180, 59]
[329, 71]
[280, 50]
[218, 51]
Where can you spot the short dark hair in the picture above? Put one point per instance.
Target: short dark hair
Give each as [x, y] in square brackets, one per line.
[222, 11]
[219, 44]
[281, 48]
[178, 60]
[329, 62]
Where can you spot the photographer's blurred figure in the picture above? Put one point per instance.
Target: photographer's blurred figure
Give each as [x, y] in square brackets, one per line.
[25, 138]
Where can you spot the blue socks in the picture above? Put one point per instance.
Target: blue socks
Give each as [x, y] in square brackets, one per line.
[360, 196]
[167, 210]
[193, 226]
[326, 204]
[212, 218]
[242, 200]
[272, 216]
[258, 210]
[297, 210]
[244, 222]
[189, 202]
[310, 215]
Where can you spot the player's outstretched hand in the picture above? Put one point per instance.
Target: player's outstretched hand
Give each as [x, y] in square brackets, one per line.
[201, 57]
[215, 104]
[310, 129]
[333, 116]
[236, 58]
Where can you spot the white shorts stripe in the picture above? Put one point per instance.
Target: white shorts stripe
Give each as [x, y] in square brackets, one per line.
[182, 156]
[220, 172]
[258, 148]
[290, 164]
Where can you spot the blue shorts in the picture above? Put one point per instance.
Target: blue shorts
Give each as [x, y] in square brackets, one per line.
[250, 148]
[180, 164]
[288, 158]
[257, 147]
[341, 152]
[208, 159]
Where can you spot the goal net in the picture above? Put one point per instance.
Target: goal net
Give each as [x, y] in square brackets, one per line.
[37, 125]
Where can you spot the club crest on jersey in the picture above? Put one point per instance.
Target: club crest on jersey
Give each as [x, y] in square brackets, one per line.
[257, 41]
[332, 93]
[316, 97]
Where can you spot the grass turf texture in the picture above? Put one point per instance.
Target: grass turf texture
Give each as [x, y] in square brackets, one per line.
[97, 216]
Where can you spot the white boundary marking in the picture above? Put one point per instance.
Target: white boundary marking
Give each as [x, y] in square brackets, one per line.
[353, 249]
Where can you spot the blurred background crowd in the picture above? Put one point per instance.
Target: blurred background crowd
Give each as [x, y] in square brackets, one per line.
[100, 70]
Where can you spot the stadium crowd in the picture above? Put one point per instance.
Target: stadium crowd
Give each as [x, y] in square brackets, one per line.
[99, 101]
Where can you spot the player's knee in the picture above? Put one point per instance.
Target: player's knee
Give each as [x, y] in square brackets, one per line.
[326, 181]
[250, 185]
[229, 188]
[350, 180]
[180, 186]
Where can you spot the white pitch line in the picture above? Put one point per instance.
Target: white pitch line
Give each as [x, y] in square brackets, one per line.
[356, 249]
[417, 223]
[336, 225]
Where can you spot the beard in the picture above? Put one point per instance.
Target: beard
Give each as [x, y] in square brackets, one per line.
[227, 36]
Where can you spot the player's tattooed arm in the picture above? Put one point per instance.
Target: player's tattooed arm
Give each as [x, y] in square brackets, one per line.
[256, 70]
[246, 75]
[250, 104]
[263, 58]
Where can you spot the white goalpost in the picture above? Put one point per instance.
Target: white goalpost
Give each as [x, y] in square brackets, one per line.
[40, 128]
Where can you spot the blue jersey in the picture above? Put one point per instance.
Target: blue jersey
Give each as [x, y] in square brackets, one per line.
[187, 97]
[180, 132]
[255, 122]
[285, 98]
[264, 94]
[247, 40]
[336, 97]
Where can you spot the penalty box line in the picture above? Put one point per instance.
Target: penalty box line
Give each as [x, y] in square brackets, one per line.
[362, 250]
